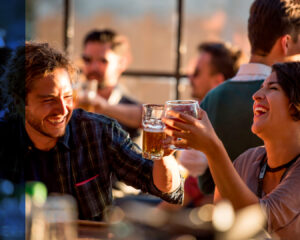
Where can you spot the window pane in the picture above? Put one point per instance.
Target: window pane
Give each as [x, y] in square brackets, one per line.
[12, 23]
[44, 21]
[214, 20]
[149, 25]
[149, 89]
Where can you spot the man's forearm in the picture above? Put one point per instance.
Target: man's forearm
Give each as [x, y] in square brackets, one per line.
[127, 114]
[166, 175]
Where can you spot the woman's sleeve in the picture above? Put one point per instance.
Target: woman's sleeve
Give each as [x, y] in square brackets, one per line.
[283, 203]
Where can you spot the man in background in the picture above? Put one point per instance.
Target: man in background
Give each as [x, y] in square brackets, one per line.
[106, 56]
[273, 31]
[216, 62]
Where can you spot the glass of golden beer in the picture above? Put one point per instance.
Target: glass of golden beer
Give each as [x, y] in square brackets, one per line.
[190, 107]
[153, 131]
[86, 92]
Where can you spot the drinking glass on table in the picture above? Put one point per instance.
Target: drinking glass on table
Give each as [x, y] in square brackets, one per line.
[153, 131]
[56, 219]
[190, 107]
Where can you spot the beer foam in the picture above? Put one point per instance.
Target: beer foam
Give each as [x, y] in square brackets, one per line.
[154, 129]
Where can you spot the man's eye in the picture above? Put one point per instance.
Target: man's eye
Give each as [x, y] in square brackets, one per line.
[86, 59]
[103, 61]
[196, 73]
[69, 97]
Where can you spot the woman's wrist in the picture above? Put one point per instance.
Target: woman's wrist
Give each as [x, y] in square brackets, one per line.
[214, 147]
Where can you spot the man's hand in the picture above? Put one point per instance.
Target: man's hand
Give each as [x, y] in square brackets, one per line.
[166, 175]
[100, 104]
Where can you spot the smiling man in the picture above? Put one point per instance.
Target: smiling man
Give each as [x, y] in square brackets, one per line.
[72, 152]
[49, 108]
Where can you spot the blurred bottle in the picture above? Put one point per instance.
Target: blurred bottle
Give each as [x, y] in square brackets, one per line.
[35, 198]
[60, 217]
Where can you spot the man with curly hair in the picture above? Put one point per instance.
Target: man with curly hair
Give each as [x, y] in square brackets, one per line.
[71, 151]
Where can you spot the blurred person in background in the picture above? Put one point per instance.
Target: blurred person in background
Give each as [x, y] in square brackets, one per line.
[274, 35]
[215, 63]
[268, 175]
[72, 151]
[106, 55]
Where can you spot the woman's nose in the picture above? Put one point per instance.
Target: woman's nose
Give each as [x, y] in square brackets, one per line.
[258, 94]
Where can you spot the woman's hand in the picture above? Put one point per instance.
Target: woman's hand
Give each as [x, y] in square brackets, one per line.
[194, 133]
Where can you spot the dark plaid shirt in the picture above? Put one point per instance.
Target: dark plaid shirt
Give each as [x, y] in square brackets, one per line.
[82, 163]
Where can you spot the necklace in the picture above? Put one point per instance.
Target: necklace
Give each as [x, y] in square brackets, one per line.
[266, 168]
[286, 165]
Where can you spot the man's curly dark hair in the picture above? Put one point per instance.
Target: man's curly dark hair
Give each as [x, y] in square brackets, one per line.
[28, 63]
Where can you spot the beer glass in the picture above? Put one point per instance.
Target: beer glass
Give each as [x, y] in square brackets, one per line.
[190, 107]
[87, 91]
[153, 131]
[55, 220]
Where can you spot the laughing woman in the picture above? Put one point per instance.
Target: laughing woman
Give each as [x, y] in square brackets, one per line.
[270, 174]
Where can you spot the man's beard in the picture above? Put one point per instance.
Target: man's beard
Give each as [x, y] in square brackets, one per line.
[38, 126]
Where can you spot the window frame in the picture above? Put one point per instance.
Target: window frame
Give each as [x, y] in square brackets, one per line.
[68, 33]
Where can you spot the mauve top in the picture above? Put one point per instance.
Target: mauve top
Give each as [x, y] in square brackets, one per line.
[283, 203]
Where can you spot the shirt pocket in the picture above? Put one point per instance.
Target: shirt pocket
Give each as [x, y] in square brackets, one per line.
[93, 197]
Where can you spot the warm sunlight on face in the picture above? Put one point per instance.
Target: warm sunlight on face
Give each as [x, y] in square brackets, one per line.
[270, 108]
[49, 106]
[101, 63]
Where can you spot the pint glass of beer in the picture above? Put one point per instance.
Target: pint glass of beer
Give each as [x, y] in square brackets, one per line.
[86, 92]
[153, 131]
[190, 107]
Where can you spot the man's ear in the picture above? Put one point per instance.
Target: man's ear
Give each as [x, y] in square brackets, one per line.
[124, 61]
[285, 41]
[218, 79]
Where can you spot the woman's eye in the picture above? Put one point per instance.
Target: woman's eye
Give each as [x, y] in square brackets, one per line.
[273, 88]
[48, 100]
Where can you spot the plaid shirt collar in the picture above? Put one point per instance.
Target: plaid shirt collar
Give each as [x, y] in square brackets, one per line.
[28, 144]
[64, 140]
